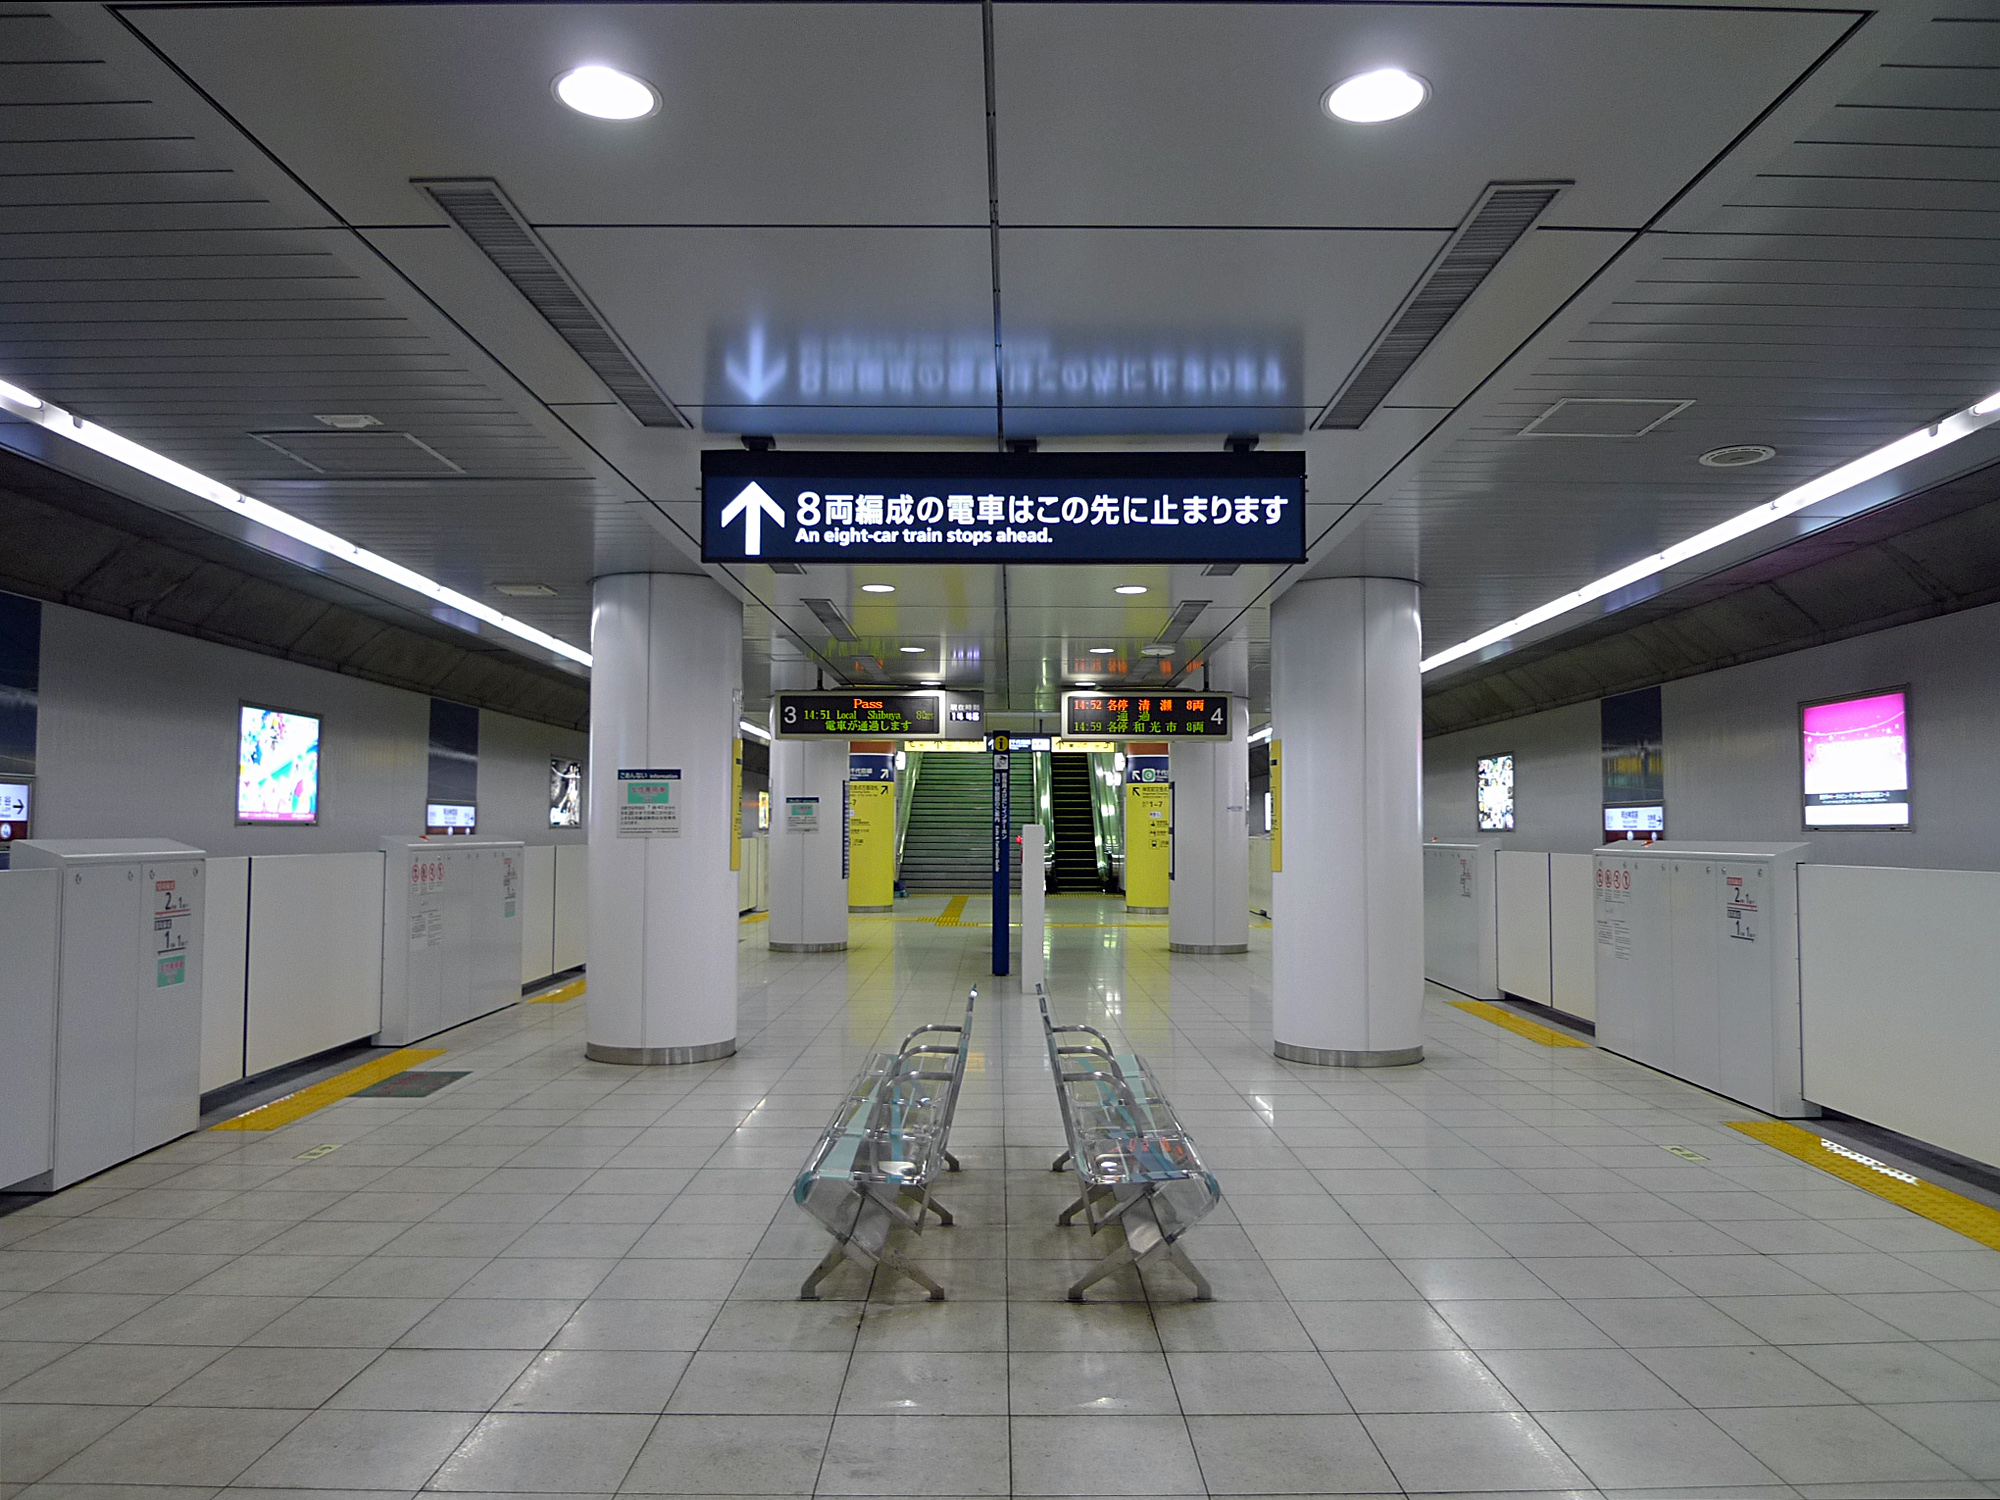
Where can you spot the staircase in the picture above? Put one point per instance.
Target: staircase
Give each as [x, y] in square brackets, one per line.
[1070, 793]
[948, 845]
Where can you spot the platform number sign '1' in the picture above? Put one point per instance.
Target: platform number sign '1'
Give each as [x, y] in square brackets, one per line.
[1003, 508]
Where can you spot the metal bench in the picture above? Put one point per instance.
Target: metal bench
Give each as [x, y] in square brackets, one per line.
[873, 1165]
[1137, 1166]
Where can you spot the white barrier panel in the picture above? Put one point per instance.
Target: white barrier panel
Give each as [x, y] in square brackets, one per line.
[1697, 965]
[451, 933]
[1901, 1019]
[1461, 942]
[1522, 907]
[1573, 934]
[225, 945]
[572, 931]
[315, 973]
[1260, 874]
[28, 923]
[128, 986]
[538, 913]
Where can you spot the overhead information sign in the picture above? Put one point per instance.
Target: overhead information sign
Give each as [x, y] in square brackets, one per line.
[858, 716]
[1146, 716]
[1003, 507]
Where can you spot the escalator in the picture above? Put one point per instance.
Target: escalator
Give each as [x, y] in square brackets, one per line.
[1071, 789]
[948, 844]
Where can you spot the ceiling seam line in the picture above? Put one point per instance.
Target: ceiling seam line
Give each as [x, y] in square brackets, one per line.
[993, 221]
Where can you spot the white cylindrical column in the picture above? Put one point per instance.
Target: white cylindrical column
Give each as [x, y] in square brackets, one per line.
[1208, 906]
[666, 674]
[808, 884]
[1347, 934]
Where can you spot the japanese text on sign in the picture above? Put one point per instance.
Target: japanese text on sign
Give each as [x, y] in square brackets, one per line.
[1126, 715]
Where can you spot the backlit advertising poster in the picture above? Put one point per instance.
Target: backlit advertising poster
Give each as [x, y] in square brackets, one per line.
[1496, 794]
[277, 766]
[1856, 757]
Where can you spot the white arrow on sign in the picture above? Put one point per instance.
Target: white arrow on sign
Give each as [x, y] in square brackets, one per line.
[753, 505]
[754, 375]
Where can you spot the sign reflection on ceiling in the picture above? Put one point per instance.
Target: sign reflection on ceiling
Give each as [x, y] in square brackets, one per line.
[764, 380]
[1002, 507]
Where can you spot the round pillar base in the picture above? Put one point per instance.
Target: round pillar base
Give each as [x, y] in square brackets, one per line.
[870, 910]
[1146, 911]
[1208, 947]
[808, 947]
[1340, 1057]
[659, 1056]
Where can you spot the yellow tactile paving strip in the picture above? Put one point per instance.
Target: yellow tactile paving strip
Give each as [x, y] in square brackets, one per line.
[1968, 1217]
[329, 1090]
[953, 912]
[1547, 1036]
[559, 994]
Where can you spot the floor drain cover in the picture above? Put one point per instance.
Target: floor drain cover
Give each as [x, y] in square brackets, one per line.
[410, 1085]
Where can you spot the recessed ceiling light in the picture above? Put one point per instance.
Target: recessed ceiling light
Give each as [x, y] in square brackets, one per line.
[1130, 588]
[352, 421]
[1083, 684]
[878, 588]
[1739, 456]
[523, 590]
[911, 650]
[607, 94]
[1100, 650]
[1370, 98]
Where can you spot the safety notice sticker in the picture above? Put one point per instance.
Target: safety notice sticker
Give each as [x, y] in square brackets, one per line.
[649, 804]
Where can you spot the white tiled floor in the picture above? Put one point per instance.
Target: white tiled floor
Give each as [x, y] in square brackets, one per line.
[1479, 1275]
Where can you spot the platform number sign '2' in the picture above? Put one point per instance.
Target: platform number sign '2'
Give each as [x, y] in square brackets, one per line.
[1003, 508]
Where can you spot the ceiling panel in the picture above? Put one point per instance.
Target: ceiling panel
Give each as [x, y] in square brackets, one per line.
[770, 114]
[1210, 114]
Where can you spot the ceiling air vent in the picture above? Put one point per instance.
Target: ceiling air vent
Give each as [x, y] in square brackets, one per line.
[1500, 217]
[372, 454]
[791, 568]
[828, 614]
[1602, 417]
[490, 221]
[1220, 570]
[1184, 616]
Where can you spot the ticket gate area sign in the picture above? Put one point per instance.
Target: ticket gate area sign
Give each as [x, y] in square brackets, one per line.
[861, 715]
[1111, 716]
[1003, 507]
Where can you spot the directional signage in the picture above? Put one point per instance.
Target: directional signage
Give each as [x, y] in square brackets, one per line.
[1003, 507]
[1168, 716]
[858, 716]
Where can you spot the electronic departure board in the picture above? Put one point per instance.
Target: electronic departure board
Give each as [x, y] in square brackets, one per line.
[1167, 716]
[859, 716]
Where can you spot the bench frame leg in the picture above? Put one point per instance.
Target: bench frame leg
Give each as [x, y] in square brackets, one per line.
[810, 1291]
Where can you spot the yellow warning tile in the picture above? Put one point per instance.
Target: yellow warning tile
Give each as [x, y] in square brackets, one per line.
[329, 1090]
[953, 911]
[1519, 1025]
[559, 994]
[755, 916]
[1967, 1216]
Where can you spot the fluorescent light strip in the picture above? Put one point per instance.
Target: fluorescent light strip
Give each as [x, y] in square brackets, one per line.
[748, 728]
[1258, 736]
[160, 467]
[1846, 477]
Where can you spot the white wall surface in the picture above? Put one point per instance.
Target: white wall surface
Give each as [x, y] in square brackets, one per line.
[1732, 752]
[1901, 1024]
[137, 735]
[1557, 779]
[538, 913]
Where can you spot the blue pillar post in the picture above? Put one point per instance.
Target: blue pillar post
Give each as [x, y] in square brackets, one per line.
[1003, 797]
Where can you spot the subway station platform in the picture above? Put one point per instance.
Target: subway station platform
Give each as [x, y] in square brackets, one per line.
[1514, 1268]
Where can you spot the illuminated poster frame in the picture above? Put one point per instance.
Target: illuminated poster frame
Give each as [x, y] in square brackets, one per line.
[1498, 819]
[253, 818]
[1870, 796]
